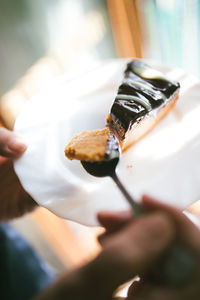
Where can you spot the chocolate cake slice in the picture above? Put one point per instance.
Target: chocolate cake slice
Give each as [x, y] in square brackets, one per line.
[144, 97]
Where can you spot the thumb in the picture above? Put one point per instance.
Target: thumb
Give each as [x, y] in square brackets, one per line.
[10, 144]
[134, 249]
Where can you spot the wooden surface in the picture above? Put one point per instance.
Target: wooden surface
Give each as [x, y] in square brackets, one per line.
[126, 27]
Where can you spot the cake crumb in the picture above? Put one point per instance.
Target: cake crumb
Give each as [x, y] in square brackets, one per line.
[129, 166]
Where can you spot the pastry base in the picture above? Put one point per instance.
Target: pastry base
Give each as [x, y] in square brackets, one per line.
[89, 145]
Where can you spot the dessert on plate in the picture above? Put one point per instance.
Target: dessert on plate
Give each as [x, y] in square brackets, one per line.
[143, 98]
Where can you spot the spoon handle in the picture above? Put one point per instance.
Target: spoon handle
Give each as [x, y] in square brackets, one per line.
[136, 207]
[177, 267]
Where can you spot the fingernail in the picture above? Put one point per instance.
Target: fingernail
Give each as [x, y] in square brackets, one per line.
[17, 145]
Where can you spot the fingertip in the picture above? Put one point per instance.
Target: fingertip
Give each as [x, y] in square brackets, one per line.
[151, 203]
[115, 214]
[107, 217]
[16, 146]
[11, 145]
[149, 199]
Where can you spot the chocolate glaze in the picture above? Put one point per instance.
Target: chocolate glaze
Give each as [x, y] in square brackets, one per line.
[143, 89]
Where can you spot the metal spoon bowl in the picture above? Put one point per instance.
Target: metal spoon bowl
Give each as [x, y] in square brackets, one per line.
[108, 168]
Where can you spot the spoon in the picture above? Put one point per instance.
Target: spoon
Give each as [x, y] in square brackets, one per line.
[108, 168]
[177, 266]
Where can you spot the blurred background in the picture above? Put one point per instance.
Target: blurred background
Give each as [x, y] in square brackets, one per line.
[87, 30]
[41, 39]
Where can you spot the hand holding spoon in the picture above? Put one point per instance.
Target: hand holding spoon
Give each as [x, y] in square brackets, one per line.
[178, 264]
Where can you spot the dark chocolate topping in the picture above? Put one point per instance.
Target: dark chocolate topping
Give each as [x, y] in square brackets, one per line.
[142, 90]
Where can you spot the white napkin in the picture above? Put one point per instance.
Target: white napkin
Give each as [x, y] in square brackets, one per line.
[165, 164]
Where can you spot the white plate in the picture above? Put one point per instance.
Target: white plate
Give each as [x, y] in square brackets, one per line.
[165, 164]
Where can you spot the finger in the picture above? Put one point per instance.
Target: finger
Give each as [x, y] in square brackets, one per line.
[135, 248]
[186, 230]
[144, 239]
[14, 202]
[10, 145]
[112, 221]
